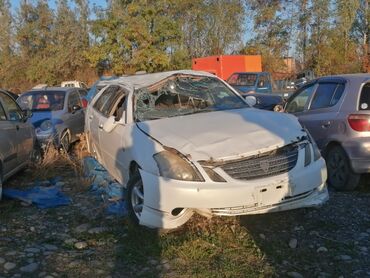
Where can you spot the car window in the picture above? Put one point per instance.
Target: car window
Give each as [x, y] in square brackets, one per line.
[179, 95]
[118, 106]
[299, 101]
[365, 98]
[107, 100]
[243, 79]
[11, 108]
[102, 99]
[42, 100]
[107, 108]
[337, 95]
[2, 113]
[326, 95]
[263, 81]
[73, 99]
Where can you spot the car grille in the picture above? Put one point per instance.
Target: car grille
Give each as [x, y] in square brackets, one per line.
[263, 165]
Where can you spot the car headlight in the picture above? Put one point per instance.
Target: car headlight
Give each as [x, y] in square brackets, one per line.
[315, 148]
[174, 166]
[46, 125]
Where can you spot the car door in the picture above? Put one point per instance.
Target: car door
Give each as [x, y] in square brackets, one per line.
[322, 111]
[76, 114]
[111, 142]
[96, 118]
[8, 146]
[24, 134]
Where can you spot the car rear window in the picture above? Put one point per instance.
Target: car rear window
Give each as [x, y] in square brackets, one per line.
[365, 98]
[243, 79]
[42, 100]
[326, 95]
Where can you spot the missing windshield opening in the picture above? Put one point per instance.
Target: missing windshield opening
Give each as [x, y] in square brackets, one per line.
[182, 95]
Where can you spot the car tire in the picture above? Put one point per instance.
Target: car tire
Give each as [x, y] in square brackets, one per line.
[65, 141]
[340, 173]
[135, 198]
[1, 185]
[37, 154]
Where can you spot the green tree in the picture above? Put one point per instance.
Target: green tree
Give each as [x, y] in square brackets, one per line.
[5, 42]
[272, 33]
[135, 35]
[361, 33]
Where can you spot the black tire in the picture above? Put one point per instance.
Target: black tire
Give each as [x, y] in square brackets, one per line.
[1, 185]
[340, 173]
[134, 189]
[65, 141]
[37, 154]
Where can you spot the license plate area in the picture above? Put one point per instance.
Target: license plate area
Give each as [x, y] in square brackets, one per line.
[271, 194]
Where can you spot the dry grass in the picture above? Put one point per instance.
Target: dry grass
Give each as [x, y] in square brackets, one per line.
[67, 165]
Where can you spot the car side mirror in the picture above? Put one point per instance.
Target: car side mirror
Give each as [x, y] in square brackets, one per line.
[251, 100]
[26, 114]
[109, 124]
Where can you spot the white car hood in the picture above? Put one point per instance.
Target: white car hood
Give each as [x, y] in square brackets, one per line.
[224, 135]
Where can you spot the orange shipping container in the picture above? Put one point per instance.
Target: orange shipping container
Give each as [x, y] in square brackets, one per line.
[225, 65]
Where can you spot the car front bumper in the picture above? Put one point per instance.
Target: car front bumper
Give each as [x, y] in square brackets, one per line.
[301, 187]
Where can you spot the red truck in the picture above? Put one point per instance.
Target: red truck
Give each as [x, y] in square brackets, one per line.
[225, 65]
[243, 72]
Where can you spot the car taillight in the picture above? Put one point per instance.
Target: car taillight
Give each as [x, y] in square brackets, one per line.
[84, 103]
[359, 122]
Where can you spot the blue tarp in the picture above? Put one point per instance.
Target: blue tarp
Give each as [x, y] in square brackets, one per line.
[42, 196]
[104, 185]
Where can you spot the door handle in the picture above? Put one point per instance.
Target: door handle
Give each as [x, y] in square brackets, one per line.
[326, 124]
[17, 127]
[90, 117]
[100, 126]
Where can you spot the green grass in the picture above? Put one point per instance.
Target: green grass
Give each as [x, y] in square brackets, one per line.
[220, 248]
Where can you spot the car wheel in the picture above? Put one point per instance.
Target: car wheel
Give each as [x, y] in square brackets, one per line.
[1, 186]
[36, 155]
[65, 141]
[340, 173]
[135, 198]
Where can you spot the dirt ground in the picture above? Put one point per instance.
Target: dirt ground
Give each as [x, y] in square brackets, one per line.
[81, 240]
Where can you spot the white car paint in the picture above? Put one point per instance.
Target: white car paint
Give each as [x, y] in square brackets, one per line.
[212, 137]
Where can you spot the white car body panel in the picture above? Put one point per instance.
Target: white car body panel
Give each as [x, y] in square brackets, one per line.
[210, 135]
[213, 136]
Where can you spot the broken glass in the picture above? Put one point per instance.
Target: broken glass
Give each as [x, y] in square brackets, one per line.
[183, 95]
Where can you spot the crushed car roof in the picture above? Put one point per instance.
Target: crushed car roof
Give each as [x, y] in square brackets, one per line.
[138, 81]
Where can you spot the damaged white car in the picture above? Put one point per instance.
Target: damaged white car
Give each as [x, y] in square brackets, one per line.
[185, 142]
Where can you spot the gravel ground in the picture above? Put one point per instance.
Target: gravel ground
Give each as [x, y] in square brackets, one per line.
[80, 240]
[333, 241]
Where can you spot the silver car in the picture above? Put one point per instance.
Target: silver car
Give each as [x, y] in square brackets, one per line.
[58, 114]
[17, 138]
[336, 111]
